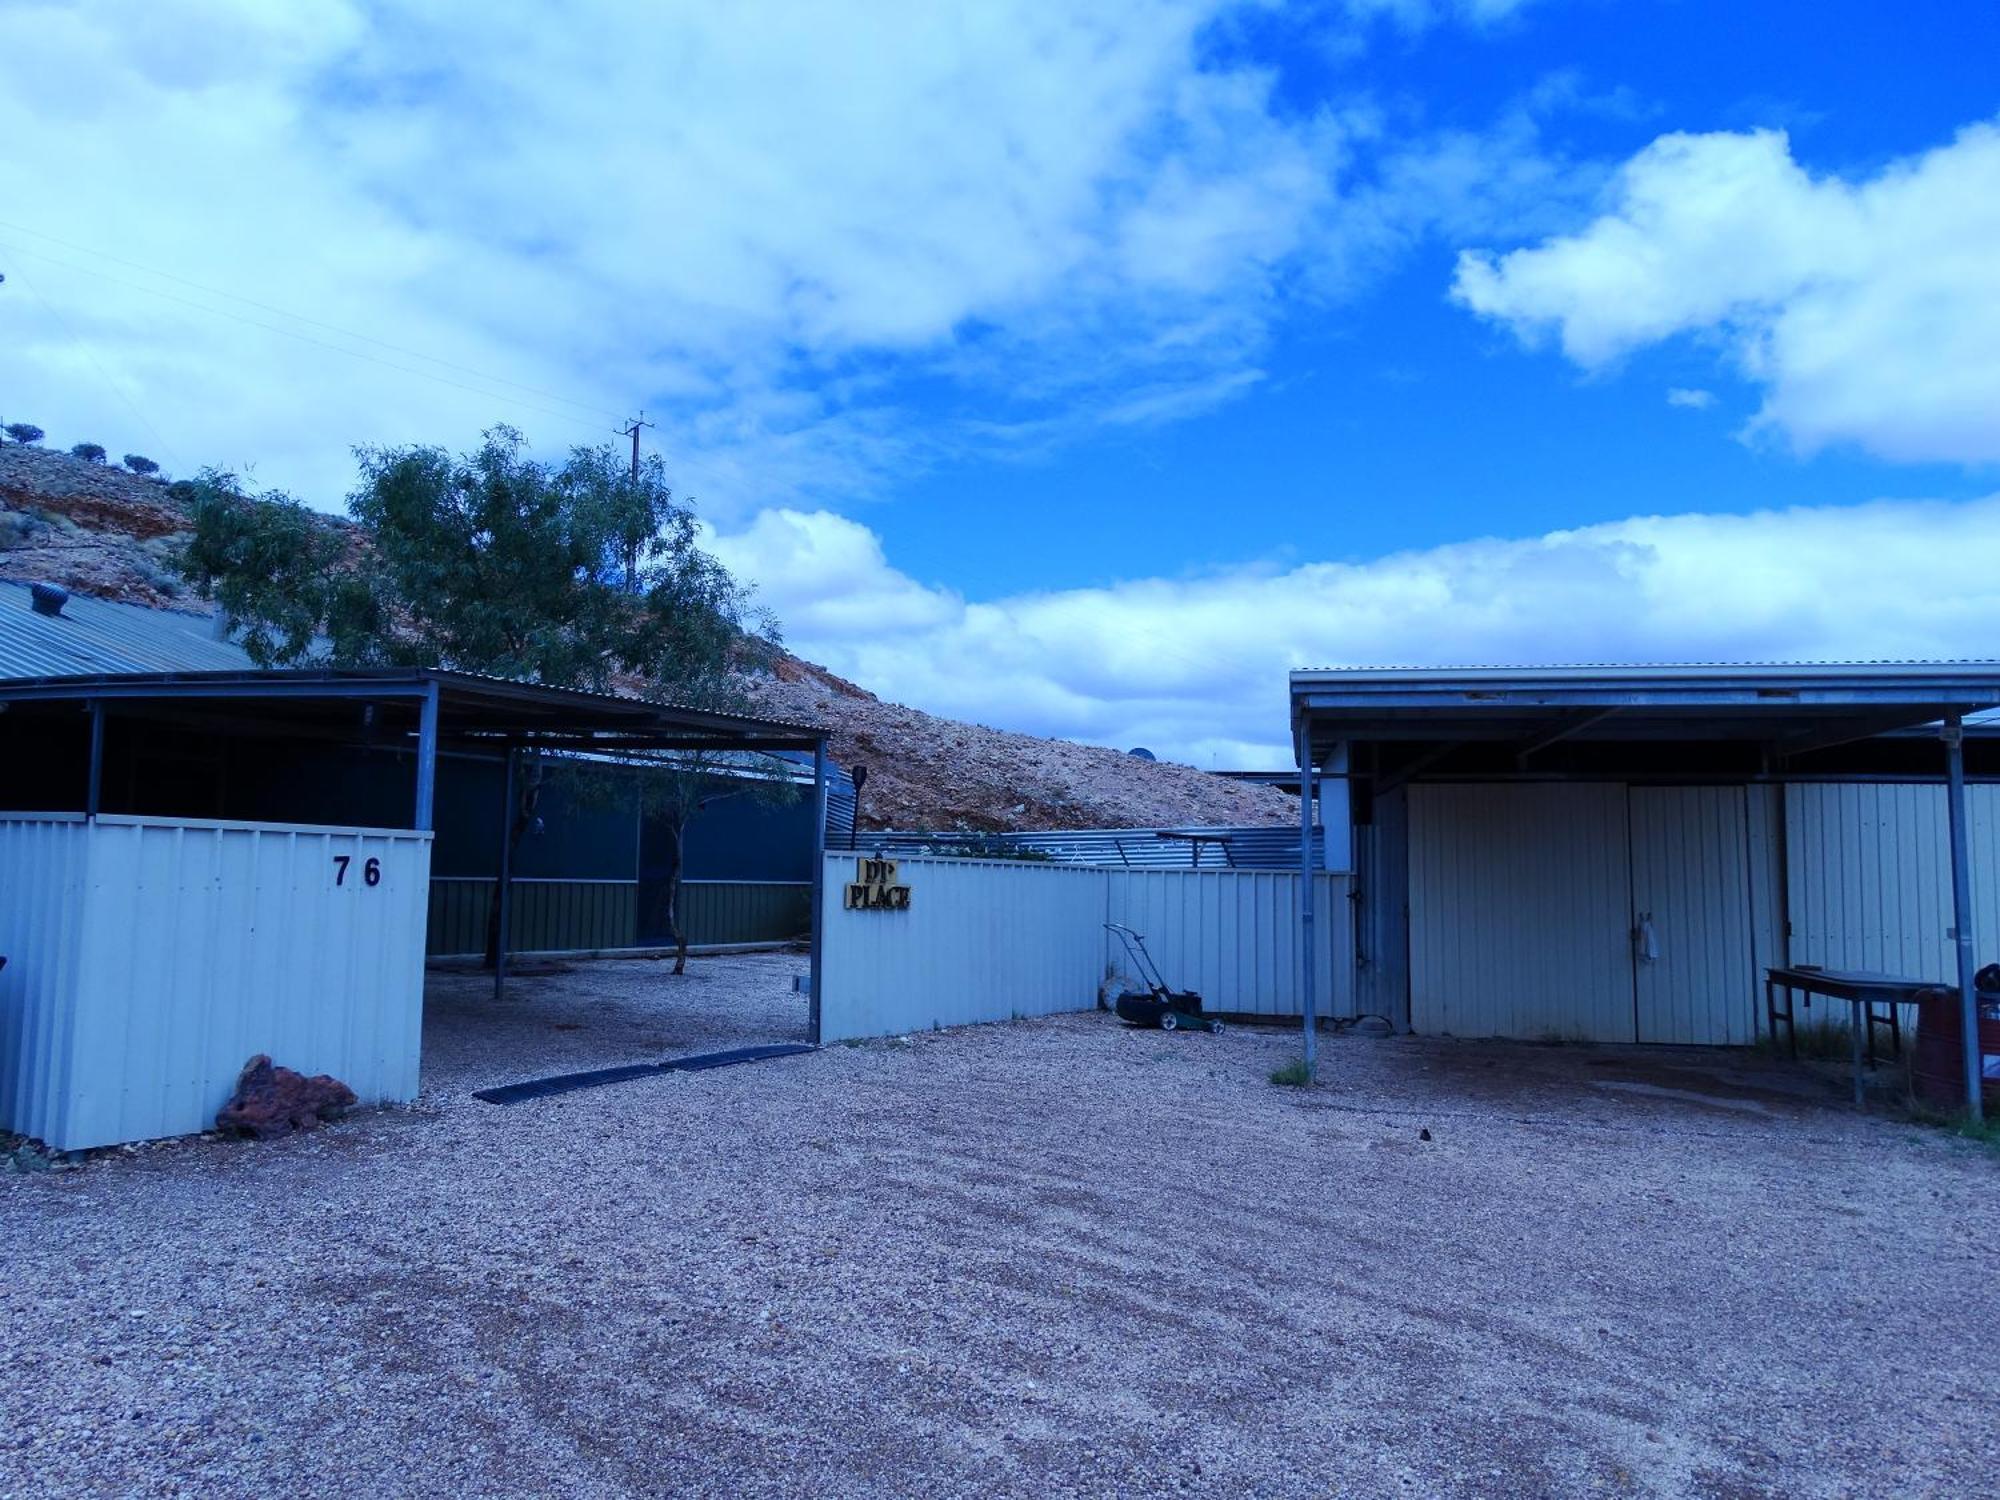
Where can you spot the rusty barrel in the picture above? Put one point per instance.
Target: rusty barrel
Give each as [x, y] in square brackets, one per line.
[1938, 1072]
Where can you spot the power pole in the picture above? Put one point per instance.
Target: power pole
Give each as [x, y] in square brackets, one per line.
[632, 432]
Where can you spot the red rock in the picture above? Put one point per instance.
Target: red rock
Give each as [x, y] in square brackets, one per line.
[271, 1101]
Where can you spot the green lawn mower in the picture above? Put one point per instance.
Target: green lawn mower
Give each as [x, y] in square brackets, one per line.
[1157, 1005]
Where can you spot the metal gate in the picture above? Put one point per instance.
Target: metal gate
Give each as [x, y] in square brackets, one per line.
[1582, 912]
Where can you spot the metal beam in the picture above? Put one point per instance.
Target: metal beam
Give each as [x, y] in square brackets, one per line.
[1309, 950]
[1857, 729]
[816, 968]
[504, 934]
[1402, 774]
[1961, 913]
[93, 793]
[427, 755]
[1573, 725]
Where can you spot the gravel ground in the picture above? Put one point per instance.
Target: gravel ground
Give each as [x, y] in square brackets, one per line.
[1045, 1258]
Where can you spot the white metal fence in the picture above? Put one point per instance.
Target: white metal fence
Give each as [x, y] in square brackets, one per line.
[992, 940]
[149, 959]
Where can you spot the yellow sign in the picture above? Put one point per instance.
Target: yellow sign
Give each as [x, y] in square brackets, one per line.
[874, 887]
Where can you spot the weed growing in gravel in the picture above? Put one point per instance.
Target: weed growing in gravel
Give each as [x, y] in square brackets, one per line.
[1292, 1075]
[1986, 1131]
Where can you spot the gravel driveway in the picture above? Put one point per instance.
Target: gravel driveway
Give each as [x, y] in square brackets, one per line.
[1043, 1258]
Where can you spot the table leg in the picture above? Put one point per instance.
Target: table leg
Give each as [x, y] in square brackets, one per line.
[1860, 1019]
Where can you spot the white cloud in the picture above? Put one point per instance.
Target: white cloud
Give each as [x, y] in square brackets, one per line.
[1693, 400]
[1195, 667]
[1868, 309]
[752, 218]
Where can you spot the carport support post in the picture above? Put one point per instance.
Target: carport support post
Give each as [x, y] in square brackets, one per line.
[1308, 874]
[506, 893]
[818, 883]
[1961, 910]
[94, 794]
[427, 759]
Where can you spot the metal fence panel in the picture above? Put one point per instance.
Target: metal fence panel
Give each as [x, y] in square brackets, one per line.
[981, 940]
[200, 944]
[1232, 936]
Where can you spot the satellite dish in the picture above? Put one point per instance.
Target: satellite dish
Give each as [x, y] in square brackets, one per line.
[1140, 752]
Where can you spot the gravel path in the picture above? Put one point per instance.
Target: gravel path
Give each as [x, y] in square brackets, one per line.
[1044, 1258]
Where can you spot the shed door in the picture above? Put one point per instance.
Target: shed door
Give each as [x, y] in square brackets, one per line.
[1521, 912]
[1691, 877]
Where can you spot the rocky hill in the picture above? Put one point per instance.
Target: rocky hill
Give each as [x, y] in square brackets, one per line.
[99, 530]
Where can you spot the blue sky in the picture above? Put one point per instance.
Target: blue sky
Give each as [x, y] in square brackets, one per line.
[1081, 369]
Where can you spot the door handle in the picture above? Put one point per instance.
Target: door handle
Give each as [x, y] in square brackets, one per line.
[1645, 941]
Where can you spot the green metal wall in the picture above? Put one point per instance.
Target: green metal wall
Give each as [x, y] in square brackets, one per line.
[555, 916]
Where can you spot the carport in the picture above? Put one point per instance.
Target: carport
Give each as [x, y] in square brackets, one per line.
[1600, 850]
[168, 911]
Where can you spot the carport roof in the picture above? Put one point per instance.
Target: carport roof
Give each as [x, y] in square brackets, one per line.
[472, 709]
[1783, 709]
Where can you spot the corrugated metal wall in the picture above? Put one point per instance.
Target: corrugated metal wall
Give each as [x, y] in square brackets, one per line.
[1232, 936]
[1264, 848]
[1691, 879]
[990, 940]
[583, 916]
[1521, 912]
[982, 940]
[1868, 869]
[201, 944]
[43, 863]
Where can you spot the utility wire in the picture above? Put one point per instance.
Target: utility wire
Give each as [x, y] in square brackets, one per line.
[301, 318]
[117, 389]
[292, 333]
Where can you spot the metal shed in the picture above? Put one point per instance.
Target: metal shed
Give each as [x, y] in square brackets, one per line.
[151, 953]
[1603, 852]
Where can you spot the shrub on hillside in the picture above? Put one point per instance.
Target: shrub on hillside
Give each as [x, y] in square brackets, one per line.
[24, 432]
[138, 463]
[90, 453]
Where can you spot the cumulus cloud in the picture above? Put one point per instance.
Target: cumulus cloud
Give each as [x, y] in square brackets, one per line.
[1195, 666]
[1867, 308]
[1693, 400]
[753, 219]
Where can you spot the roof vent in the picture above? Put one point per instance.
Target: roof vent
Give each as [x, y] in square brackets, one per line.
[46, 598]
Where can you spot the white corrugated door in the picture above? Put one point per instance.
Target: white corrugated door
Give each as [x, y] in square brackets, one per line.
[1521, 912]
[1691, 879]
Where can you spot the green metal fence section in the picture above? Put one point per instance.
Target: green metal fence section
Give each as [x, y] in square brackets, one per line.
[578, 916]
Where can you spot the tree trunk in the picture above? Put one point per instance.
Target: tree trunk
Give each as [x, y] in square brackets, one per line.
[528, 796]
[673, 903]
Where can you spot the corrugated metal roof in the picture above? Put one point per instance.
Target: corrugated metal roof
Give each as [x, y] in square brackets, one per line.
[1274, 847]
[95, 637]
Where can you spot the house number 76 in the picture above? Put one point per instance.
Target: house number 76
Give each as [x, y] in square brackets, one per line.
[371, 871]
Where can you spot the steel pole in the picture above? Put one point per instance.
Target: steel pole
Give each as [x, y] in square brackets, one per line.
[94, 793]
[503, 933]
[1961, 911]
[427, 759]
[1307, 882]
[818, 885]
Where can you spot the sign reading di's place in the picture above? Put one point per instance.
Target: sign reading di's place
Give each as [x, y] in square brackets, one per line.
[874, 887]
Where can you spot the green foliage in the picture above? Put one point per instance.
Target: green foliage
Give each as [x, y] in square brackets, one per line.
[90, 453]
[138, 463]
[1292, 1075]
[492, 561]
[24, 432]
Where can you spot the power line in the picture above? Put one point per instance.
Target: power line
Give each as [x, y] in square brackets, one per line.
[292, 333]
[297, 317]
[117, 389]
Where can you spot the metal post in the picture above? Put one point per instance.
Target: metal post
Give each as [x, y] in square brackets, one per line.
[427, 758]
[1961, 910]
[1308, 875]
[818, 884]
[93, 794]
[508, 814]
